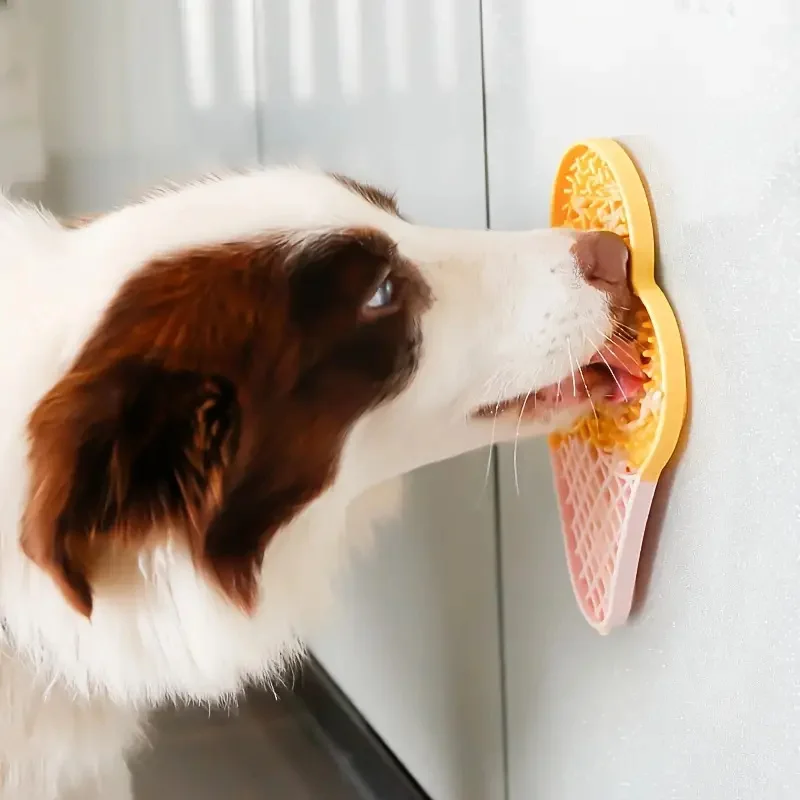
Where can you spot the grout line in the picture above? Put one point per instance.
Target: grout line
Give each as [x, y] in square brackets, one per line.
[484, 115]
[501, 628]
[498, 529]
[260, 70]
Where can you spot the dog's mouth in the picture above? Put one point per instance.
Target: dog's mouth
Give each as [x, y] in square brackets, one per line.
[613, 375]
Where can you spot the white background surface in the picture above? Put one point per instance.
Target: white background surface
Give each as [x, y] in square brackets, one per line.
[700, 697]
[21, 150]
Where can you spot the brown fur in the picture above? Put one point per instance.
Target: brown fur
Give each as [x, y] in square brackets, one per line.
[371, 194]
[212, 400]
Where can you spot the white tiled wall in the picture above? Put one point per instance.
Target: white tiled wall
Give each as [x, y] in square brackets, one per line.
[700, 696]
[21, 150]
[138, 91]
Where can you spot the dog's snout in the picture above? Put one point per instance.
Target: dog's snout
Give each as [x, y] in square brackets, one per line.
[602, 259]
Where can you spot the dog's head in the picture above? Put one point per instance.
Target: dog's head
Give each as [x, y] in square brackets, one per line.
[250, 346]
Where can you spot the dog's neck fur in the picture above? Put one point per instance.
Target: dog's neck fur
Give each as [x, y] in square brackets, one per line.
[54, 284]
[38, 755]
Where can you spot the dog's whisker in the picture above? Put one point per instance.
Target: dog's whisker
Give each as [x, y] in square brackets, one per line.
[621, 353]
[503, 388]
[572, 368]
[558, 392]
[613, 374]
[625, 327]
[492, 440]
[616, 337]
[488, 471]
[588, 393]
[516, 440]
[616, 334]
[609, 344]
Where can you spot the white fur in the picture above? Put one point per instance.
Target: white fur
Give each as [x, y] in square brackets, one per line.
[72, 690]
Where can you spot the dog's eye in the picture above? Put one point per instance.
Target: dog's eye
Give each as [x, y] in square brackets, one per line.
[384, 295]
[383, 301]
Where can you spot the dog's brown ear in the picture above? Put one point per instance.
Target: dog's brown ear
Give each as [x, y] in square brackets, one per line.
[119, 455]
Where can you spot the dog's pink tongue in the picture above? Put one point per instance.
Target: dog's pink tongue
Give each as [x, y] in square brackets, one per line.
[621, 356]
[624, 361]
[622, 379]
[625, 387]
[575, 389]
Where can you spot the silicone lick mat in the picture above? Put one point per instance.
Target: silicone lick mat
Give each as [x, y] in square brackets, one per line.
[606, 467]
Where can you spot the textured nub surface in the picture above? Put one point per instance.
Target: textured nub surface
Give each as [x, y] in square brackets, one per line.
[591, 201]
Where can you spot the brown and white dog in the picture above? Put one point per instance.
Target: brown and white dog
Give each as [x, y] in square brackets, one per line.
[195, 388]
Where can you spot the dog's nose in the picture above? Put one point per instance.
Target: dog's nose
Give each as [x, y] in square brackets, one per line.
[602, 259]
